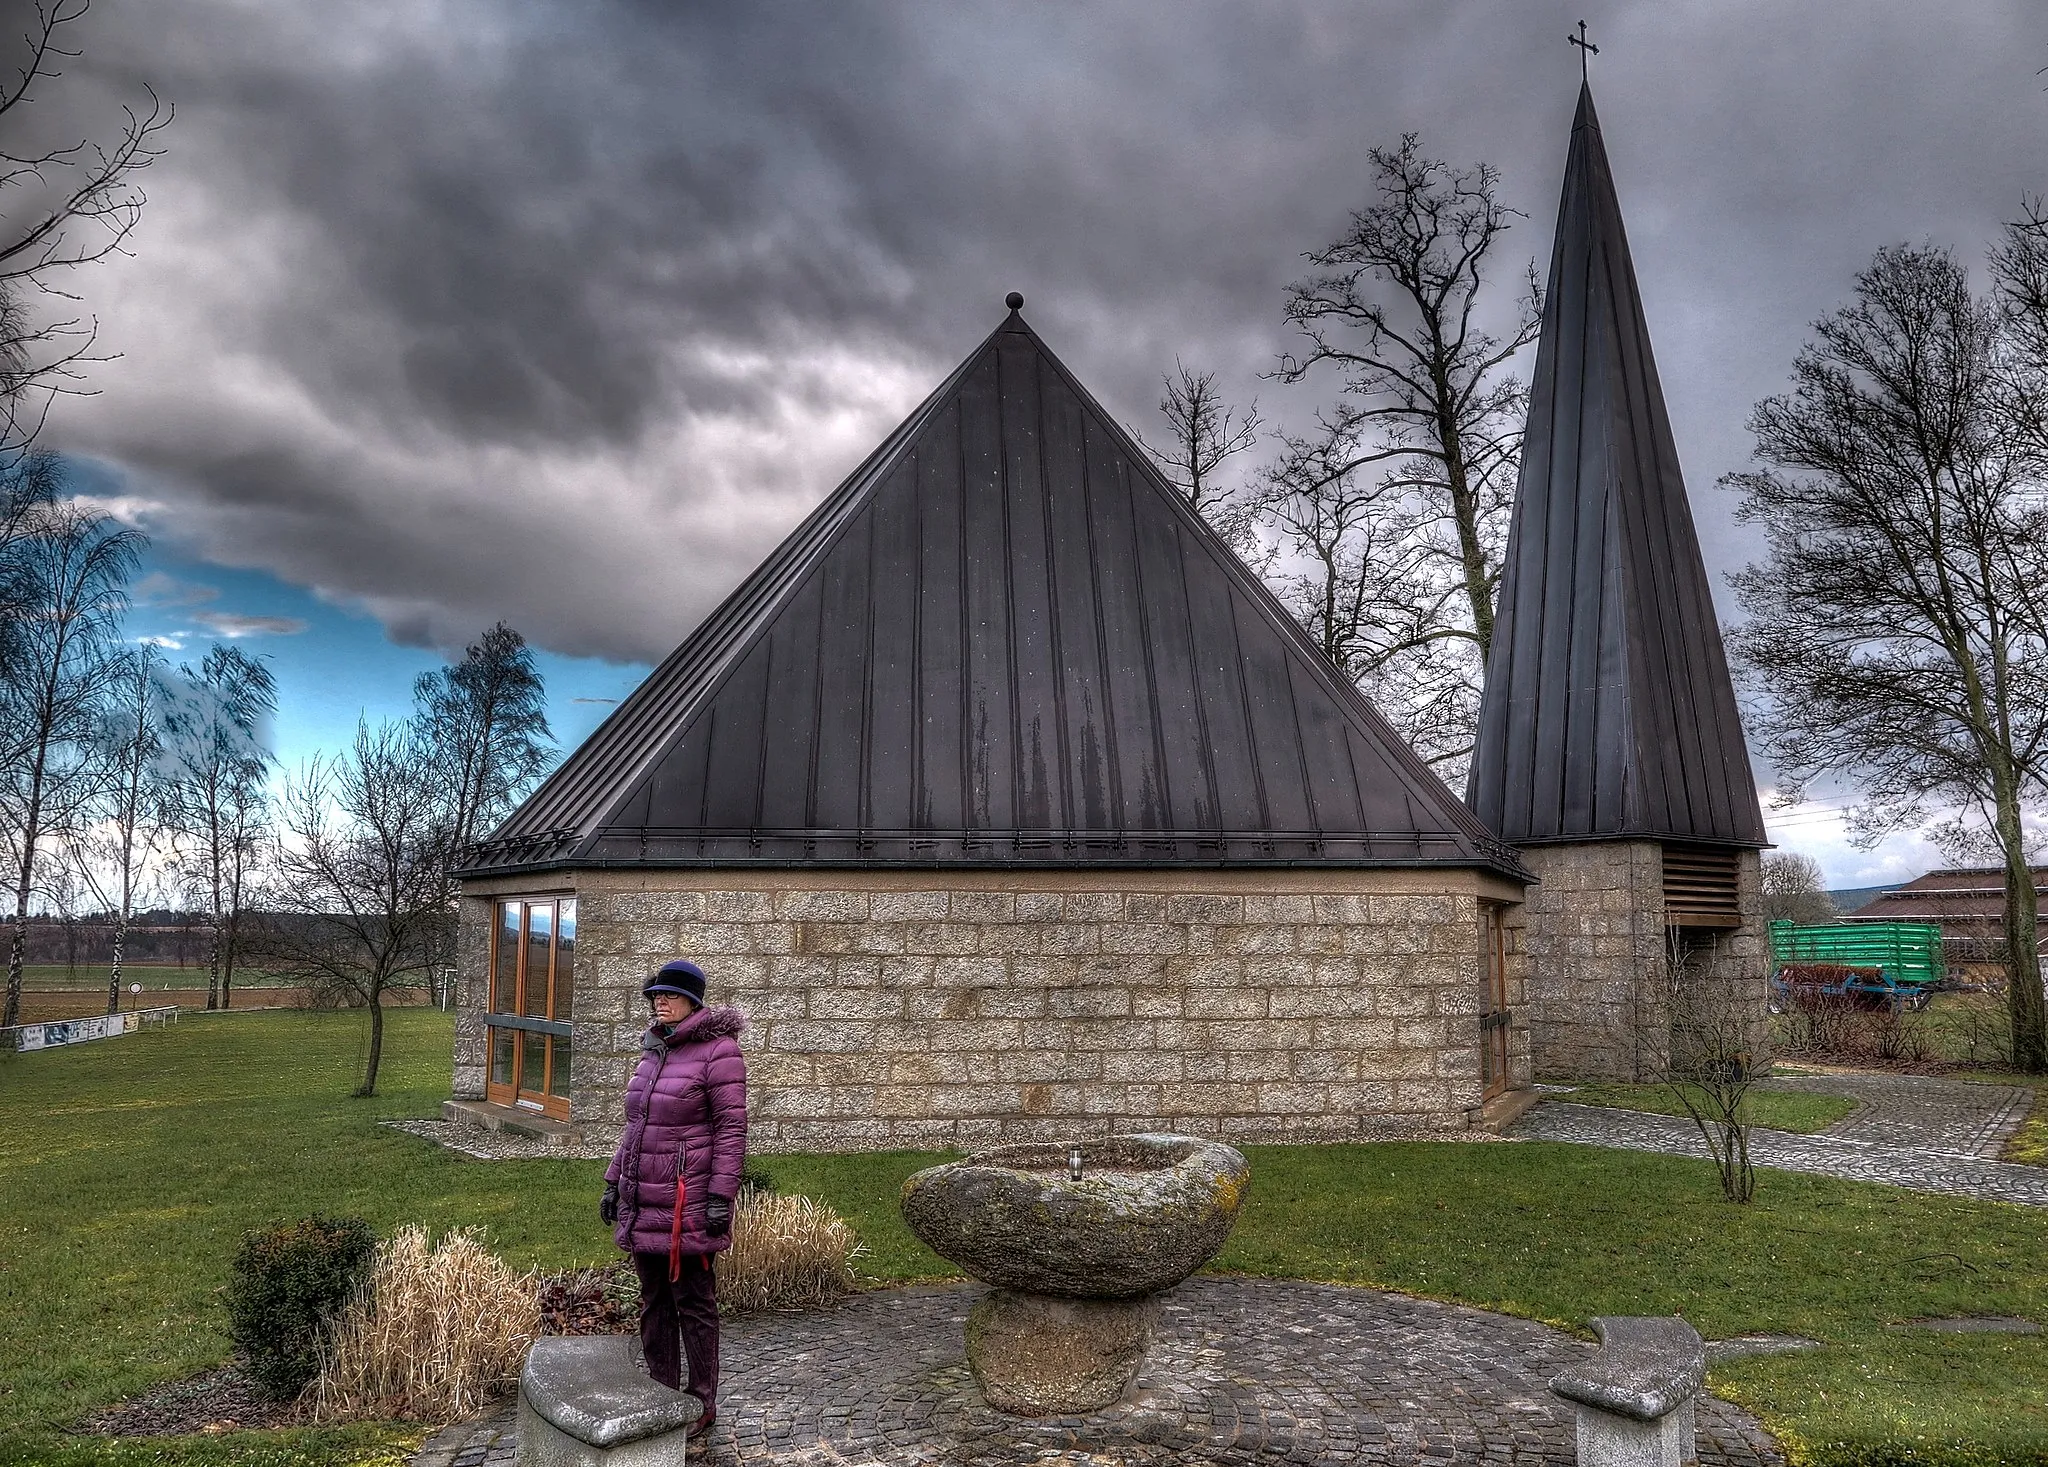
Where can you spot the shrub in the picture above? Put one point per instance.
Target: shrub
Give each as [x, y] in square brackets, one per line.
[436, 1333]
[590, 1301]
[786, 1253]
[753, 1179]
[286, 1283]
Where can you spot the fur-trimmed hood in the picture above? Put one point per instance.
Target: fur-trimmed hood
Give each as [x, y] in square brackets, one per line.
[720, 1020]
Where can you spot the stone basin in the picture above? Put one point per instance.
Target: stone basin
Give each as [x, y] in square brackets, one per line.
[1074, 1263]
[1148, 1211]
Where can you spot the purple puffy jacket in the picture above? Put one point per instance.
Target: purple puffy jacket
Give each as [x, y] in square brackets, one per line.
[687, 1104]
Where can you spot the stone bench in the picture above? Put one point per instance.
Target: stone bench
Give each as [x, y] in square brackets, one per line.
[1634, 1399]
[586, 1402]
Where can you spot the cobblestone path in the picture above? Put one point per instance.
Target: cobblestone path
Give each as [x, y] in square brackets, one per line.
[1244, 1371]
[479, 1143]
[1921, 1112]
[1920, 1169]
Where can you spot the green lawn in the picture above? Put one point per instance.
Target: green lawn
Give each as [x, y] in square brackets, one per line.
[1779, 1110]
[129, 1168]
[2029, 1144]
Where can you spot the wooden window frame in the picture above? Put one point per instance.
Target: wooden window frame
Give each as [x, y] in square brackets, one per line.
[514, 1019]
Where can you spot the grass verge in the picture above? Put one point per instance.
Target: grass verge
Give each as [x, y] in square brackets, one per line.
[1777, 1110]
[129, 1169]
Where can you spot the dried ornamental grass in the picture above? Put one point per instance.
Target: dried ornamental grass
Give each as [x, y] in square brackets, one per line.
[437, 1333]
[786, 1253]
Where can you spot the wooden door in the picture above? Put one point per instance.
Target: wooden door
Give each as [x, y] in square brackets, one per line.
[1495, 1020]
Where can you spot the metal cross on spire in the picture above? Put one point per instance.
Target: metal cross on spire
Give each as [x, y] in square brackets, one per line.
[1586, 48]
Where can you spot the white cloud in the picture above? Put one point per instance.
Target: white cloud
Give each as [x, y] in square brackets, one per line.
[161, 589]
[232, 624]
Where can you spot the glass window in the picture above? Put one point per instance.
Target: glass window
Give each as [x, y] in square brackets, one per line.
[533, 1073]
[565, 962]
[558, 1077]
[505, 961]
[540, 922]
[502, 1043]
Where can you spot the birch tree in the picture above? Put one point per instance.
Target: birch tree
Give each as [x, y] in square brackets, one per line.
[73, 571]
[483, 724]
[131, 815]
[215, 721]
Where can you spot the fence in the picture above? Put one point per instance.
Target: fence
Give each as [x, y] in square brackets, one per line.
[58, 1032]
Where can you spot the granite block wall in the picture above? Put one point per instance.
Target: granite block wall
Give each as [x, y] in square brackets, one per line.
[898, 1010]
[1600, 980]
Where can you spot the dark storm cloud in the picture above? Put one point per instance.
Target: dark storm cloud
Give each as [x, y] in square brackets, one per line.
[565, 313]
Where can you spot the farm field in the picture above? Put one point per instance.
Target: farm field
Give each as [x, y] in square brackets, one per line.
[129, 1169]
[58, 991]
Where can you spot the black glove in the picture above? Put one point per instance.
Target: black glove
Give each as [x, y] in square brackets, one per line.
[608, 1205]
[718, 1216]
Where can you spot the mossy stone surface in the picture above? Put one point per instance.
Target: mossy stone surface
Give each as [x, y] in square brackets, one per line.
[1147, 1211]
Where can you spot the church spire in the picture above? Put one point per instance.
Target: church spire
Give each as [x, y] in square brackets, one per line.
[1608, 711]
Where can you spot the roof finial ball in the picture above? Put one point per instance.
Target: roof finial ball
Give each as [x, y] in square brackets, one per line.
[1014, 300]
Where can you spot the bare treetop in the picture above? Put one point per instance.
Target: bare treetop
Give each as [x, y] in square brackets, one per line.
[81, 203]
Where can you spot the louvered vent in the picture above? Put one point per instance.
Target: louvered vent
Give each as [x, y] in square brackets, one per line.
[1700, 887]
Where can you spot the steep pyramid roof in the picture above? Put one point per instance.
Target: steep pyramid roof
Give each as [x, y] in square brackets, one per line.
[1004, 640]
[1608, 710]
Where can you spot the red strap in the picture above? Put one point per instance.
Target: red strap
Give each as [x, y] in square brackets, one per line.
[675, 1229]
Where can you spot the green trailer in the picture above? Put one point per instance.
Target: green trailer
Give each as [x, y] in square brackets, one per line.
[1898, 962]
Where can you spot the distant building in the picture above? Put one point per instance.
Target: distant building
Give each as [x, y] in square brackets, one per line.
[1968, 902]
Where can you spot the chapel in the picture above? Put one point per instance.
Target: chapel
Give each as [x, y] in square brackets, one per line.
[1010, 805]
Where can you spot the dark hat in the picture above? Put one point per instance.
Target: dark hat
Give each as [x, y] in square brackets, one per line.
[682, 976]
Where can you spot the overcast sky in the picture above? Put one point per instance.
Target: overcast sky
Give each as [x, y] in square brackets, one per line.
[447, 312]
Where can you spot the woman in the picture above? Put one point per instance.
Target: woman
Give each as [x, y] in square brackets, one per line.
[669, 1191]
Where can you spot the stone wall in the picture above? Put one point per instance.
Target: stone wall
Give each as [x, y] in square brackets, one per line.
[1600, 984]
[908, 1009]
[1595, 938]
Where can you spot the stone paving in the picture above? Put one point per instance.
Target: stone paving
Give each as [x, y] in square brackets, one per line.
[1919, 1169]
[479, 1143]
[1244, 1371]
[1920, 1111]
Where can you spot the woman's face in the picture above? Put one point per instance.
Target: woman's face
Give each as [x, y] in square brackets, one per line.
[673, 1008]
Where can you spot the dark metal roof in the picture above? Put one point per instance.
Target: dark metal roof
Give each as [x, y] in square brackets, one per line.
[1608, 710]
[1004, 640]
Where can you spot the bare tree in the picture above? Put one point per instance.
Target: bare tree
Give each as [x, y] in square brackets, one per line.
[1719, 1049]
[1203, 433]
[1359, 577]
[66, 203]
[215, 719]
[1794, 889]
[357, 907]
[132, 815]
[1897, 628]
[1398, 309]
[75, 567]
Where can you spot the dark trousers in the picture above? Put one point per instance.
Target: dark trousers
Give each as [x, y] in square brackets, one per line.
[678, 1317]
